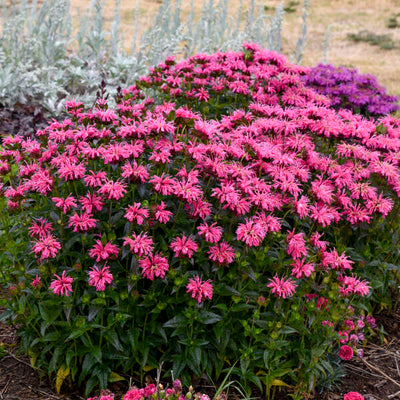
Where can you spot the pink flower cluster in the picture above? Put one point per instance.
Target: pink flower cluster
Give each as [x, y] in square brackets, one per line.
[260, 162]
[151, 390]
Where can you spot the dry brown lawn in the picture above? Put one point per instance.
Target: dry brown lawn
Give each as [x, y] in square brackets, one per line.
[344, 17]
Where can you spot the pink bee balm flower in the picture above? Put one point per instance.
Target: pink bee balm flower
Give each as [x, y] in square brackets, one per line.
[40, 228]
[282, 287]
[200, 289]
[316, 242]
[334, 261]
[296, 245]
[353, 396]
[211, 233]
[100, 277]
[46, 247]
[346, 353]
[36, 282]
[222, 253]
[162, 184]
[252, 233]
[154, 266]
[113, 190]
[141, 244]
[65, 204]
[302, 269]
[102, 252]
[161, 214]
[62, 286]
[93, 179]
[352, 285]
[184, 246]
[81, 223]
[136, 213]
[91, 203]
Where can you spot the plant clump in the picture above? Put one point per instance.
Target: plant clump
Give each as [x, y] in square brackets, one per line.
[199, 227]
[348, 89]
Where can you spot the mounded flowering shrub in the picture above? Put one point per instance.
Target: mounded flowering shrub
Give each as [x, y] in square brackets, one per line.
[346, 88]
[154, 233]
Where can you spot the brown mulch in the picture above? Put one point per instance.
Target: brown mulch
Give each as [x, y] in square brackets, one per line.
[18, 380]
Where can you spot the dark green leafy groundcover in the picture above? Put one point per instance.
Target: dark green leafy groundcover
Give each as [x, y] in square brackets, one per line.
[231, 222]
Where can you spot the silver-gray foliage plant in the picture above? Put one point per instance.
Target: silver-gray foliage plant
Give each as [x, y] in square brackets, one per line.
[42, 60]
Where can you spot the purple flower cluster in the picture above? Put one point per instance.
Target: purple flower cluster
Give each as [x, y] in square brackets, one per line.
[346, 88]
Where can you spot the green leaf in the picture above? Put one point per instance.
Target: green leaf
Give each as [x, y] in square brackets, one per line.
[102, 374]
[96, 352]
[90, 385]
[51, 337]
[288, 329]
[175, 322]
[54, 359]
[112, 338]
[75, 334]
[207, 317]
[87, 365]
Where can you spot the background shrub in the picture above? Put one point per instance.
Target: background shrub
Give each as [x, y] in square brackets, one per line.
[45, 61]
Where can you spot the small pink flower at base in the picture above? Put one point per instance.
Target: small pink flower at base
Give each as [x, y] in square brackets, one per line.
[344, 337]
[154, 266]
[184, 246]
[346, 353]
[177, 386]
[353, 396]
[200, 289]
[36, 283]
[99, 278]
[134, 394]
[281, 287]
[62, 286]
[149, 390]
[371, 321]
